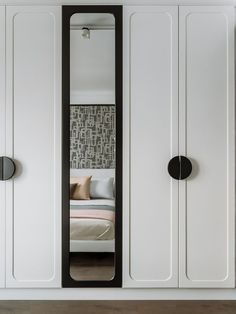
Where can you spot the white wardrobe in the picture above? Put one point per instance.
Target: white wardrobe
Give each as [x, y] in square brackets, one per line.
[179, 101]
[30, 70]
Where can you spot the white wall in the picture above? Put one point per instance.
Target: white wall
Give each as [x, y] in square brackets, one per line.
[93, 67]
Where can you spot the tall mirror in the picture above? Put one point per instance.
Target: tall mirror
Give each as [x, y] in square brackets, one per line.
[94, 201]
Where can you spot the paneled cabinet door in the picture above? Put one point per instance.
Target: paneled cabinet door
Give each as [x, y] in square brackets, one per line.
[33, 137]
[2, 144]
[150, 139]
[207, 212]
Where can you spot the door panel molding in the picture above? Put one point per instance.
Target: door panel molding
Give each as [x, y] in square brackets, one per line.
[33, 209]
[151, 246]
[207, 132]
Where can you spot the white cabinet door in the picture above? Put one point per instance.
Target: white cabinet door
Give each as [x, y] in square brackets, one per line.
[150, 140]
[2, 144]
[207, 212]
[33, 103]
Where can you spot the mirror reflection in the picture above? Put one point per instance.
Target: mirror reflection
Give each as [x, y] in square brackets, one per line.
[92, 146]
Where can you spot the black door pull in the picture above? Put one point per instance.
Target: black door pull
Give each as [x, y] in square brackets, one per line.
[7, 168]
[179, 167]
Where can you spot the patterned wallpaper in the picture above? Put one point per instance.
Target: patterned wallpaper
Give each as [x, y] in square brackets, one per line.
[92, 136]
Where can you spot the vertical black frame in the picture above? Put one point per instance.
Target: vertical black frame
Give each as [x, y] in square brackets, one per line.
[67, 12]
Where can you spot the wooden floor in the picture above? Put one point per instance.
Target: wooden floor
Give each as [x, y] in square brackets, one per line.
[92, 266]
[117, 307]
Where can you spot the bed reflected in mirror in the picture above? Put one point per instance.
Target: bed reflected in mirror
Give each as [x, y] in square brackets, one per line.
[92, 146]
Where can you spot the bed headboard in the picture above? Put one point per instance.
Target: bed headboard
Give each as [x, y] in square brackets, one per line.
[96, 173]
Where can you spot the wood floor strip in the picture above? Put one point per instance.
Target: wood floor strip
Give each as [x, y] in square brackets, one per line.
[118, 307]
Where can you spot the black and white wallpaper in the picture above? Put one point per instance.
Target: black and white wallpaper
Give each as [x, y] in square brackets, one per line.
[92, 136]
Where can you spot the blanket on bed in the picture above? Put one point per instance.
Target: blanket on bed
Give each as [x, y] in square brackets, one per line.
[94, 211]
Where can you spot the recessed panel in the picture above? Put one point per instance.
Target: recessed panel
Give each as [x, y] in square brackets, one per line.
[33, 142]
[153, 96]
[208, 97]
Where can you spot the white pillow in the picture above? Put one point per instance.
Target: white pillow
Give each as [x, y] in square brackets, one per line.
[102, 188]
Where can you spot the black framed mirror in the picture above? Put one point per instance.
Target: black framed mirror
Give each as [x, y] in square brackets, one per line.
[92, 146]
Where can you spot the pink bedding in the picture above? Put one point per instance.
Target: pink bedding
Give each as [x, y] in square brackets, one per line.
[95, 214]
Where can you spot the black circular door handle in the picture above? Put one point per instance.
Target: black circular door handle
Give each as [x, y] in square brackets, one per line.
[7, 168]
[179, 167]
